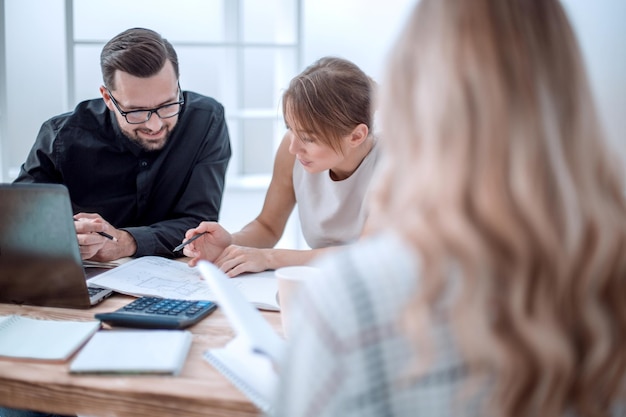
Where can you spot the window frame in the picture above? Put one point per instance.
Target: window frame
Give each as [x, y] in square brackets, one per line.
[237, 117]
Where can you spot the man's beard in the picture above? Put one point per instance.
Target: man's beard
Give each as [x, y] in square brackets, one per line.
[148, 144]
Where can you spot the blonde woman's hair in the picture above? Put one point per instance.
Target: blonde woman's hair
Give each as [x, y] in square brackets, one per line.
[496, 168]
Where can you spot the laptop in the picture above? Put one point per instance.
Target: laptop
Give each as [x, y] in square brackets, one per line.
[40, 261]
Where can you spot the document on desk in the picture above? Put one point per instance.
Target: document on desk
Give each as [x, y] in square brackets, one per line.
[162, 277]
[250, 361]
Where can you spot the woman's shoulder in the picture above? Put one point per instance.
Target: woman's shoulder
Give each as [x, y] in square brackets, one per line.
[381, 269]
[374, 254]
[368, 165]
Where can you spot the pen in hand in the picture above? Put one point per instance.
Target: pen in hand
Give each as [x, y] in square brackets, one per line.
[104, 234]
[108, 236]
[188, 241]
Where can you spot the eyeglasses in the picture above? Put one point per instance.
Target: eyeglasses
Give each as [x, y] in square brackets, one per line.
[136, 117]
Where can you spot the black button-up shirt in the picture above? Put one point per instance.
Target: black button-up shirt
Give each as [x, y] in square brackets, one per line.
[154, 195]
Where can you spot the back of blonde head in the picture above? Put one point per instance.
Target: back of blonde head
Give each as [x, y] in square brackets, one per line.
[496, 165]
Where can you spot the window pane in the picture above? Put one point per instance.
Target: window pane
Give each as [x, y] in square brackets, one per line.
[208, 71]
[267, 72]
[182, 20]
[272, 21]
[257, 146]
[87, 74]
[234, 166]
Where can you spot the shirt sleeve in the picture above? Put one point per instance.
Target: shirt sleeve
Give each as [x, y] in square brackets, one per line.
[40, 166]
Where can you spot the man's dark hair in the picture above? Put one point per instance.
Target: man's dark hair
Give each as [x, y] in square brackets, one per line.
[139, 52]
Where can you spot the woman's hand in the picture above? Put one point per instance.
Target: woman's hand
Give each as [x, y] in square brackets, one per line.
[210, 245]
[235, 260]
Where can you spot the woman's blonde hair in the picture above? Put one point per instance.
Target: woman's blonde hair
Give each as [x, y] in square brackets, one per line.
[496, 168]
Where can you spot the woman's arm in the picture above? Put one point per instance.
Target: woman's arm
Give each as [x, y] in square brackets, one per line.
[268, 227]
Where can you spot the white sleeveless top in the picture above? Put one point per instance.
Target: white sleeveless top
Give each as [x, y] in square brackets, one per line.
[333, 213]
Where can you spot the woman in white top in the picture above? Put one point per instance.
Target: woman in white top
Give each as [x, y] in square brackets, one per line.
[324, 164]
[493, 280]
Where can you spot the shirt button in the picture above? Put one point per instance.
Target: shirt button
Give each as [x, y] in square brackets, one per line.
[143, 164]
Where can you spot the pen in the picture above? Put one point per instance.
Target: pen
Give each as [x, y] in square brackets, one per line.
[188, 241]
[108, 236]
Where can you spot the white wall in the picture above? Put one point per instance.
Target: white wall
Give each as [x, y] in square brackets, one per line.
[36, 74]
[601, 30]
[359, 30]
[363, 32]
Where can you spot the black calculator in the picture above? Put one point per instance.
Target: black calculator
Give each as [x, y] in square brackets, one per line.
[158, 313]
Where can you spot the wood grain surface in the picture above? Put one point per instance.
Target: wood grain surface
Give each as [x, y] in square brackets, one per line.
[199, 390]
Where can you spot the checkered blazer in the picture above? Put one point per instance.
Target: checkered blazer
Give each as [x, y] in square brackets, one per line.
[347, 356]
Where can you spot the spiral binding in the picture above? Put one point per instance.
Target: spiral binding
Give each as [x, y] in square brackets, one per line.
[259, 400]
[8, 322]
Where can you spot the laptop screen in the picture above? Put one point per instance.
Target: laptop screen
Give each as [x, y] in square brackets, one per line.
[40, 260]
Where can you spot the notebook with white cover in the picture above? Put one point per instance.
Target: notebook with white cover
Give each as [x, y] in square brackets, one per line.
[134, 351]
[47, 340]
[251, 359]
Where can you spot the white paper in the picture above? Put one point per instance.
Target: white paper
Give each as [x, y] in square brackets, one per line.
[167, 278]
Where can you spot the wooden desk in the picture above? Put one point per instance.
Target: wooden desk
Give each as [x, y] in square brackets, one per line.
[199, 390]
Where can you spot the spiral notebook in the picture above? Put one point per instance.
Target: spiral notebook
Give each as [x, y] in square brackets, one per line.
[251, 359]
[252, 373]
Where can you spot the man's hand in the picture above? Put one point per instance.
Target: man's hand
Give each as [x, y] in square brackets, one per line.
[98, 247]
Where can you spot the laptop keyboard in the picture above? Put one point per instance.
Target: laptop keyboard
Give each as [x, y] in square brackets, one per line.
[95, 290]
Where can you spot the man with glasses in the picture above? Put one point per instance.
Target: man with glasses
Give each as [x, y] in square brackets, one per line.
[143, 164]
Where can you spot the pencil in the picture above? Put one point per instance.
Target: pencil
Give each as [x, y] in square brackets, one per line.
[188, 241]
